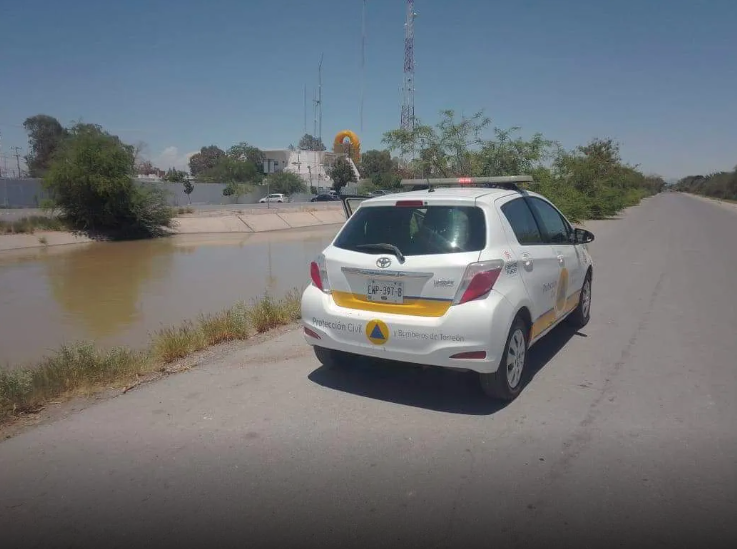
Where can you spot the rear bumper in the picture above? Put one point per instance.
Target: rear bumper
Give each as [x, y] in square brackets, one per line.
[480, 325]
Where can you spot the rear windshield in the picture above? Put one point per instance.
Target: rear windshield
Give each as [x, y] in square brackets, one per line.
[415, 231]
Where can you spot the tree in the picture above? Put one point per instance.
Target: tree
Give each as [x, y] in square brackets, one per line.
[589, 182]
[146, 168]
[230, 170]
[235, 189]
[721, 185]
[188, 188]
[341, 173]
[175, 176]
[139, 153]
[375, 162]
[504, 155]
[380, 168]
[205, 159]
[45, 134]
[446, 149]
[286, 183]
[91, 180]
[247, 153]
[311, 143]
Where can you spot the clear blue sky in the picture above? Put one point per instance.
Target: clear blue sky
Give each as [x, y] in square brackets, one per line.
[660, 76]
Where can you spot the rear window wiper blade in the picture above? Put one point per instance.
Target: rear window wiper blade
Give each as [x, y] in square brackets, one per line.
[383, 246]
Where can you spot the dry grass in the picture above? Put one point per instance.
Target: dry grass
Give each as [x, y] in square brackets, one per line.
[182, 210]
[70, 369]
[172, 344]
[267, 314]
[84, 367]
[30, 224]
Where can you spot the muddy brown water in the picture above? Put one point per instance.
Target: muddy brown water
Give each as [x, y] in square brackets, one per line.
[119, 293]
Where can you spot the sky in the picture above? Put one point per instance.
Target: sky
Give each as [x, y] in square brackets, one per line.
[658, 76]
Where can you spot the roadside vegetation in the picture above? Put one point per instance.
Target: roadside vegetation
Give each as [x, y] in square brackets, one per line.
[720, 185]
[591, 181]
[33, 223]
[85, 368]
[89, 175]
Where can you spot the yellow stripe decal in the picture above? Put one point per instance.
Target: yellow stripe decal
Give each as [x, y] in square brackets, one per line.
[543, 322]
[411, 306]
[548, 318]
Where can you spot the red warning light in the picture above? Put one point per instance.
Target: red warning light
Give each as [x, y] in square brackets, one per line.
[465, 180]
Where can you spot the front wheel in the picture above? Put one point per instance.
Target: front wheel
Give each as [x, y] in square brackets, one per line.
[582, 313]
[506, 383]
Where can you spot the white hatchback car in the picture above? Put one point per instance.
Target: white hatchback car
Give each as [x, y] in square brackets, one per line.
[274, 197]
[466, 277]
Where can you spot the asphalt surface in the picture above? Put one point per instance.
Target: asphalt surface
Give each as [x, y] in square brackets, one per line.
[625, 435]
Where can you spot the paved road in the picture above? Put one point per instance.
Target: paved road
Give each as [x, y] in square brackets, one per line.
[625, 435]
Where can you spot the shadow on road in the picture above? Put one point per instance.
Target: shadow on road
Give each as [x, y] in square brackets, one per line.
[432, 388]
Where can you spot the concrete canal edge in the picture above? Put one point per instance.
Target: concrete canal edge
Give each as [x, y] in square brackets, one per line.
[209, 223]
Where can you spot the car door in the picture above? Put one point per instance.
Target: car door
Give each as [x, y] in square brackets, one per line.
[351, 204]
[538, 265]
[559, 234]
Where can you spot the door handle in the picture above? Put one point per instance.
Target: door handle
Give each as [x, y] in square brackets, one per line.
[527, 261]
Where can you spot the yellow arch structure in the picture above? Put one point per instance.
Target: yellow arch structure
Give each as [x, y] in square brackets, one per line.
[355, 145]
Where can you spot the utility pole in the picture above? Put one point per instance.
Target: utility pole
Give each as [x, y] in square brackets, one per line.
[305, 98]
[363, 59]
[408, 89]
[319, 98]
[17, 158]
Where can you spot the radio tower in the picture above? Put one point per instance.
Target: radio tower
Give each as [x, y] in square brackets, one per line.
[408, 90]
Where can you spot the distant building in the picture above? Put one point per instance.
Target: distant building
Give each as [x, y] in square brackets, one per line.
[149, 177]
[311, 166]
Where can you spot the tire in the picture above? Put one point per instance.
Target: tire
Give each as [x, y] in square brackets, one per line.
[331, 358]
[506, 383]
[582, 313]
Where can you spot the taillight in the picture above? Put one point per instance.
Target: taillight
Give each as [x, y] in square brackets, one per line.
[410, 203]
[319, 274]
[315, 274]
[478, 280]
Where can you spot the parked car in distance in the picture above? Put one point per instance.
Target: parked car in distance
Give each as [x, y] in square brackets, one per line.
[273, 197]
[325, 198]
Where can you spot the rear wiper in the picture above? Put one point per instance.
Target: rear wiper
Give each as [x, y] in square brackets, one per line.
[382, 246]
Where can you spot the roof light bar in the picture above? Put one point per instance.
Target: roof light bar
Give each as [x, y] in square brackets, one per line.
[470, 181]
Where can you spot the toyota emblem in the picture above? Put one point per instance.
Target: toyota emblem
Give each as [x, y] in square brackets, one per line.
[383, 262]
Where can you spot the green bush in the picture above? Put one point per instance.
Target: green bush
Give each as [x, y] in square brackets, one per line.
[589, 182]
[721, 185]
[91, 181]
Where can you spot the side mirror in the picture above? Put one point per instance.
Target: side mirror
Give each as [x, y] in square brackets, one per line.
[582, 236]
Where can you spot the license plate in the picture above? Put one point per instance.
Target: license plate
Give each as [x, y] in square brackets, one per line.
[385, 291]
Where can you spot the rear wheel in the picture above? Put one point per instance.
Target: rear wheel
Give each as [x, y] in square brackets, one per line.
[506, 383]
[331, 358]
[582, 313]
